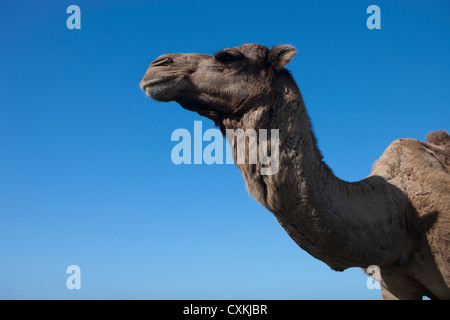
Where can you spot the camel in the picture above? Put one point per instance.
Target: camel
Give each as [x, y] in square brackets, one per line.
[397, 218]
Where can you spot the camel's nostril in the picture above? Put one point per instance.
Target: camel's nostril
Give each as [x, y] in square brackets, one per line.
[164, 61]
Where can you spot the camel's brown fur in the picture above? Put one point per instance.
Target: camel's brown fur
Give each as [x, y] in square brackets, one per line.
[439, 138]
[397, 218]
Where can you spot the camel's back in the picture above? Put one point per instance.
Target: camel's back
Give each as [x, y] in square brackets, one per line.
[418, 169]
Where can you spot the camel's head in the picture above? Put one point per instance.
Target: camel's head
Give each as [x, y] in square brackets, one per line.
[228, 83]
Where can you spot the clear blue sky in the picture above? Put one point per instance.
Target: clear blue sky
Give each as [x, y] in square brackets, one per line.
[86, 176]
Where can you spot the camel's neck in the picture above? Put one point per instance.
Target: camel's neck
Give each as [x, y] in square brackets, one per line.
[335, 221]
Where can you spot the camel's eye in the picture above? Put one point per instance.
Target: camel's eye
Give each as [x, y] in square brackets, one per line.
[228, 56]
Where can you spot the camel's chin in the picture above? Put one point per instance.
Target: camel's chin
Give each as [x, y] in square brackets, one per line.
[160, 93]
[164, 89]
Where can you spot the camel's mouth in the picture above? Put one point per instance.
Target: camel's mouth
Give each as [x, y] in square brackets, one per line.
[153, 82]
[162, 88]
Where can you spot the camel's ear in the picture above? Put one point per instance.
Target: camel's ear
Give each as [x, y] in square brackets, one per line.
[280, 55]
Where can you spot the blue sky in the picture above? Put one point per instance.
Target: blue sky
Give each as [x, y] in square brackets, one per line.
[86, 176]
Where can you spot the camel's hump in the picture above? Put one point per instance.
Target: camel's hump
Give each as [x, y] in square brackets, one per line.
[408, 156]
[439, 138]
